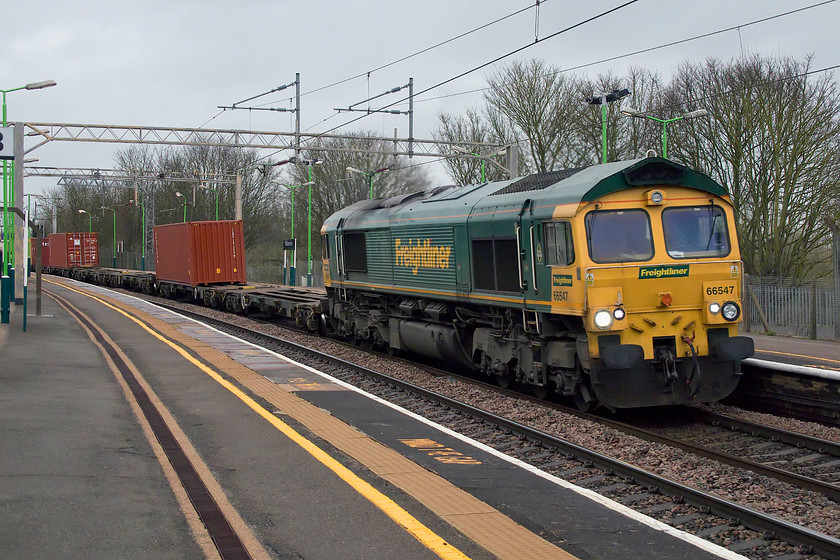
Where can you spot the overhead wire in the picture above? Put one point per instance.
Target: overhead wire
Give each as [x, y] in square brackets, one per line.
[700, 99]
[479, 67]
[650, 49]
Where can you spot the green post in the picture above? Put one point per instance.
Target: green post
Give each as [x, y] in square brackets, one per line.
[143, 227]
[8, 193]
[309, 233]
[639, 115]
[604, 133]
[216, 190]
[114, 260]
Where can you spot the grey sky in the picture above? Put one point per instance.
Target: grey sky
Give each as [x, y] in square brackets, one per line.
[171, 63]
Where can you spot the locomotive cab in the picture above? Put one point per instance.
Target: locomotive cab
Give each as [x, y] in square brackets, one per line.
[663, 296]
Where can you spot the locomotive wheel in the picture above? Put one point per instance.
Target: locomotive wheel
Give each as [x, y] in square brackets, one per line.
[581, 402]
[505, 380]
[540, 392]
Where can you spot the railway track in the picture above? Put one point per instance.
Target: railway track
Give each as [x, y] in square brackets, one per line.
[739, 528]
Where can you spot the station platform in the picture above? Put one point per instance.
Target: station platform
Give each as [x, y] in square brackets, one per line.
[803, 352]
[297, 464]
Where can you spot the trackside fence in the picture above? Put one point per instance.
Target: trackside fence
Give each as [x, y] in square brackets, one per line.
[791, 306]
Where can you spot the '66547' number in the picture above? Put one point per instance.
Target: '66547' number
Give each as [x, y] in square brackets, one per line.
[719, 290]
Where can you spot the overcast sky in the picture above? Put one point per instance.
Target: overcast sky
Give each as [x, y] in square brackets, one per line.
[172, 62]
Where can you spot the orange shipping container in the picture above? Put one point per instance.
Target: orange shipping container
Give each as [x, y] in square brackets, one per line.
[70, 250]
[45, 251]
[198, 253]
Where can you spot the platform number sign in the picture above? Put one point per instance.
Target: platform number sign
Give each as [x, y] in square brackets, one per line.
[7, 143]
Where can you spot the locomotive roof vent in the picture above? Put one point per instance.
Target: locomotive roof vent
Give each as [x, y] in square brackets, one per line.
[657, 172]
[538, 181]
[400, 199]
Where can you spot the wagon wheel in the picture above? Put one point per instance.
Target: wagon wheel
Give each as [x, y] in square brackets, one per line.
[505, 380]
[581, 402]
[541, 392]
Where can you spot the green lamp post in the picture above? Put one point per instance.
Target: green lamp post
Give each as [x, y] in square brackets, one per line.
[103, 208]
[309, 163]
[294, 251]
[603, 100]
[630, 112]
[143, 228]
[179, 195]
[482, 158]
[370, 175]
[215, 191]
[90, 219]
[6, 282]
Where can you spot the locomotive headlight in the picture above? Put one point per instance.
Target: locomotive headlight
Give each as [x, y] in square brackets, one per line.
[603, 319]
[618, 314]
[730, 311]
[714, 308]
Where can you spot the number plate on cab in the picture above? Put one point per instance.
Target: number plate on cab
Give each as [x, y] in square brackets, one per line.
[719, 291]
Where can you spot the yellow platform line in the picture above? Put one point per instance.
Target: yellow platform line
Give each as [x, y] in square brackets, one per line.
[415, 528]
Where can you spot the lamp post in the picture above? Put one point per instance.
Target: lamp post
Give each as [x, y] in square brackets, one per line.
[370, 175]
[294, 251]
[90, 220]
[484, 158]
[143, 228]
[6, 283]
[602, 100]
[179, 195]
[631, 112]
[309, 163]
[215, 191]
[103, 208]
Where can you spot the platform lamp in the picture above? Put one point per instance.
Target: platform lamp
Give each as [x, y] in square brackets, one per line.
[103, 208]
[7, 282]
[142, 227]
[90, 219]
[215, 191]
[631, 112]
[309, 163]
[370, 175]
[483, 158]
[294, 251]
[179, 195]
[603, 100]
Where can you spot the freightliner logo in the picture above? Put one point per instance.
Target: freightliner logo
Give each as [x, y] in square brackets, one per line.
[663, 271]
[420, 253]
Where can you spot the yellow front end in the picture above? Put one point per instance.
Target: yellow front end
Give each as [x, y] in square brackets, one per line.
[662, 296]
[642, 304]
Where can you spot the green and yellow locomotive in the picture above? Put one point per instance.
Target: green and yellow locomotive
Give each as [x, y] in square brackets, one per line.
[617, 284]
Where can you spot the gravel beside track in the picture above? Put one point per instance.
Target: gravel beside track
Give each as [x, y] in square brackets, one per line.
[758, 492]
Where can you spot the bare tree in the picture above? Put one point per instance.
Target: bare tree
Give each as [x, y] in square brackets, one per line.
[469, 128]
[772, 140]
[334, 187]
[535, 103]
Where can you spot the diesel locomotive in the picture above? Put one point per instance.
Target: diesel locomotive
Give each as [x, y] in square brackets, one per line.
[615, 284]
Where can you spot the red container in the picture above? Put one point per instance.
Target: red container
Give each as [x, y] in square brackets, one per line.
[70, 250]
[197, 253]
[45, 251]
